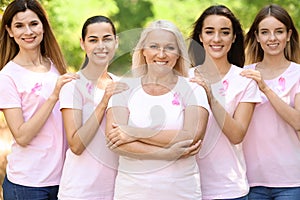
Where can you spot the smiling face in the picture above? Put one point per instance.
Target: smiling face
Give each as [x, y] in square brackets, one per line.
[99, 43]
[217, 36]
[27, 30]
[272, 36]
[161, 51]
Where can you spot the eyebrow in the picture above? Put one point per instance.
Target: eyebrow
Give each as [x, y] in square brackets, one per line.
[105, 36]
[224, 28]
[265, 29]
[21, 22]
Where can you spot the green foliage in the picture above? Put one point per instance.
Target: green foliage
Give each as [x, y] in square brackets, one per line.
[132, 14]
[68, 16]
[129, 30]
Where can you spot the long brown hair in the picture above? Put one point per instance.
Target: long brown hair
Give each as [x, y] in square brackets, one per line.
[254, 52]
[49, 46]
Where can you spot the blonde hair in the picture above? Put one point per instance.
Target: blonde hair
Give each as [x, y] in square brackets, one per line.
[139, 65]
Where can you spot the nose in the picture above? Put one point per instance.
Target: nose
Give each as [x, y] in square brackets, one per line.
[101, 44]
[28, 30]
[161, 52]
[272, 36]
[217, 37]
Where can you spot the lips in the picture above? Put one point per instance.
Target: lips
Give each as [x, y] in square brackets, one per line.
[101, 54]
[161, 62]
[216, 47]
[29, 39]
[273, 45]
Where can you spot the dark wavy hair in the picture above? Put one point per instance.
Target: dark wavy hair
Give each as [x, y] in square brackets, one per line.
[236, 54]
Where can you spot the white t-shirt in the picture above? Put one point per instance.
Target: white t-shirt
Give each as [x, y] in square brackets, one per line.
[222, 166]
[40, 163]
[90, 175]
[272, 146]
[158, 179]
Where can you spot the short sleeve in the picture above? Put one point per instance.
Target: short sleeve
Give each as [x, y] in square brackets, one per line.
[70, 96]
[119, 100]
[252, 93]
[197, 97]
[10, 97]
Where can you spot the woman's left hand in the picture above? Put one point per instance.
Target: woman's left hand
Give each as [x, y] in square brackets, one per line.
[200, 80]
[255, 75]
[118, 136]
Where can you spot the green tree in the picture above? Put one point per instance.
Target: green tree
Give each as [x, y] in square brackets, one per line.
[129, 29]
[130, 16]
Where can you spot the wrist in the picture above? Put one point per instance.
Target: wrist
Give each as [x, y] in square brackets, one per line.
[53, 98]
[266, 90]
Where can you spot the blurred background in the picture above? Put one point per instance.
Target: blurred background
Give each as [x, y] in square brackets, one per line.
[129, 16]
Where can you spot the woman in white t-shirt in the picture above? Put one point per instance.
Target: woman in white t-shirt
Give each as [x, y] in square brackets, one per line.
[90, 167]
[232, 100]
[272, 144]
[160, 110]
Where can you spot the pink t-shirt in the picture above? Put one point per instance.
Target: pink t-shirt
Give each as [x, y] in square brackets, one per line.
[271, 146]
[158, 179]
[221, 163]
[90, 175]
[40, 162]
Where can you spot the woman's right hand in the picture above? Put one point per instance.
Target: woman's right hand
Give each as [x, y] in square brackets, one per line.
[61, 80]
[255, 75]
[113, 88]
[182, 149]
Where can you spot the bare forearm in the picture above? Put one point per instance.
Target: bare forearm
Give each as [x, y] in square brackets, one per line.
[139, 150]
[162, 138]
[285, 111]
[84, 135]
[31, 128]
[229, 126]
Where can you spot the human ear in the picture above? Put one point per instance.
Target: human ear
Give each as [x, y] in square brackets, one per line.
[10, 33]
[234, 37]
[82, 44]
[289, 35]
[200, 37]
[117, 42]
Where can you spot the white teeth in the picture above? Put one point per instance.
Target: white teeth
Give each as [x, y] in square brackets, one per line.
[273, 45]
[100, 54]
[160, 63]
[216, 46]
[28, 39]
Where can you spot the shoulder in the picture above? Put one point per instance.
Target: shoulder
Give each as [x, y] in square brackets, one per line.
[131, 82]
[295, 66]
[10, 68]
[113, 76]
[250, 66]
[238, 78]
[186, 86]
[191, 72]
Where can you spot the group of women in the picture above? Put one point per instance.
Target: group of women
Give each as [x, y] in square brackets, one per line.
[218, 119]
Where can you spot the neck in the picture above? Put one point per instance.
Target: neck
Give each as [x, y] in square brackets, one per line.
[168, 79]
[214, 70]
[29, 58]
[95, 73]
[274, 62]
